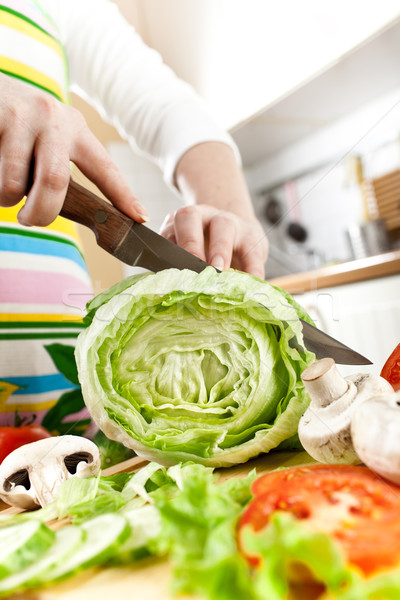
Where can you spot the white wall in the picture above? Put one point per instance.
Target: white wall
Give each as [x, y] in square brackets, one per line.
[242, 55]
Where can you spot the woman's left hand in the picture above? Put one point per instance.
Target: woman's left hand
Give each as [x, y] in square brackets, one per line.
[219, 237]
[218, 224]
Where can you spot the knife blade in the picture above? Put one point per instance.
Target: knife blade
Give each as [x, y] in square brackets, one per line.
[325, 346]
[137, 245]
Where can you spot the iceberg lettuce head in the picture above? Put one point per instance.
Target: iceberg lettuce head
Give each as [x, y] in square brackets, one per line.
[204, 366]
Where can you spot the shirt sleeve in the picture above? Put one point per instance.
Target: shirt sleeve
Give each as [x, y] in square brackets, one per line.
[159, 114]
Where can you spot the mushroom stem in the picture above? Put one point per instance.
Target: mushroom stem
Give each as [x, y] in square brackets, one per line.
[324, 429]
[323, 382]
[44, 483]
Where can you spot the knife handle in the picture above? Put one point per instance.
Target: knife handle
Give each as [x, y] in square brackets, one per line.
[108, 224]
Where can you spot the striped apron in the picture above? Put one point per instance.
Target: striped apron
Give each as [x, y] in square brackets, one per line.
[44, 283]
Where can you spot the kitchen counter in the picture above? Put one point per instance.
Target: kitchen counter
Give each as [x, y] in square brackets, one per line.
[381, 265]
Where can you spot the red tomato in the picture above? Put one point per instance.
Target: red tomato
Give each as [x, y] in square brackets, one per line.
[391, 369]
[12, 438]
[359, 509]
[275, 478]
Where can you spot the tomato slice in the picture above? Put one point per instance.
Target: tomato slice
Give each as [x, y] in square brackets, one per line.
[276, 478]
[391, 369]
[359, 509]
[12, 438]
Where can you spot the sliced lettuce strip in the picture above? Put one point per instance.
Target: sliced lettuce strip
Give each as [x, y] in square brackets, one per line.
[183, 366]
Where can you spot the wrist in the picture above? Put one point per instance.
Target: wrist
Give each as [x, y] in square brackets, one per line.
[209, 173]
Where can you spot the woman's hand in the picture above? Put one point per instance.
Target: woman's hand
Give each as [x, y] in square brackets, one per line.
[219, 225]
[219, 237]
[35, 128]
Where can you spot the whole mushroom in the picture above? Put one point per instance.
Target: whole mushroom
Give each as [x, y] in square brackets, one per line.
[375, 429]
[324, 429]
[31, 474]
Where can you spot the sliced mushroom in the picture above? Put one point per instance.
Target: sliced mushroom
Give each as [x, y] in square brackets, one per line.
[31, 474]
[375, 431]
[324, 429]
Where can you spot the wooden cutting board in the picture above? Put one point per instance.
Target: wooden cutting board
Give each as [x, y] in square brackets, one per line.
[150, 579]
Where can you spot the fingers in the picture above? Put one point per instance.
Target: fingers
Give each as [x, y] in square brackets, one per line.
[34, 127]
[92, 159]
[28, 120]
[16, 148]
[235, 242]
[229, 240]
[16, 152]
[50, 182]
[254, 263]
[252, 253]
[222, 236]
[189, 230]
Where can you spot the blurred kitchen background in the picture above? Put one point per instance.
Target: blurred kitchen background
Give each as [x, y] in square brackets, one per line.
[310, 91]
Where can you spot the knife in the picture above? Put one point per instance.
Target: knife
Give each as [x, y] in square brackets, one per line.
[130, 242]
[137, 245]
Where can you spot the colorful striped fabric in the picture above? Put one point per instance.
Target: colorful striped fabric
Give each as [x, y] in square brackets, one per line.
[44, 286]
[44, 283]
[29, 49]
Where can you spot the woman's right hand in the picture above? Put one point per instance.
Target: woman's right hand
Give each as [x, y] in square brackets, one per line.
[36, 128]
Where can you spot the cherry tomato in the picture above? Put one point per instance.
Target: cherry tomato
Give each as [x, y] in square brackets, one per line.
[12, 438]
[359, 509]
[391, 369]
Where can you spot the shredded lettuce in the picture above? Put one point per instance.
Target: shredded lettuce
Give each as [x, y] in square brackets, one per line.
[186, 515]
[198, 535]
[205, 367]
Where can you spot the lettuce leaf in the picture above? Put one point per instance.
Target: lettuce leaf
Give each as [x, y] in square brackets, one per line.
[198, 534]
[204, 367]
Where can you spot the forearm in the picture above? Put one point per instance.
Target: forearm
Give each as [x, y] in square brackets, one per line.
[209, 173]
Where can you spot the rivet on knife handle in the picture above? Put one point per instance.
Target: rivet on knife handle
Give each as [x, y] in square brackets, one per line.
[108, 224]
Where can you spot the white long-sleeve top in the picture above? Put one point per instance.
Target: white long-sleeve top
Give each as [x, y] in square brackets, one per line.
[44, 283]
[129, 84]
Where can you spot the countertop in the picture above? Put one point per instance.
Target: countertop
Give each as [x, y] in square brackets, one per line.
[381, 265]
